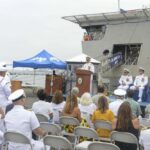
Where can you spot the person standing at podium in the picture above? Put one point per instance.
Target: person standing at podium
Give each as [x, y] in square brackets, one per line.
[89, 66]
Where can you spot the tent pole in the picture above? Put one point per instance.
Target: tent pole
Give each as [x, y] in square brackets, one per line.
[34, 77]
[51, 84]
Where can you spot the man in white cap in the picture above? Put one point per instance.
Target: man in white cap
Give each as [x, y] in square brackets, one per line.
[140, 82]
[5, 89]
[89, 66]
[125, 80]
[120, 96]
[23, 121]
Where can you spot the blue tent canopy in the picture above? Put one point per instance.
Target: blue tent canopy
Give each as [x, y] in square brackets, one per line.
[41, 60]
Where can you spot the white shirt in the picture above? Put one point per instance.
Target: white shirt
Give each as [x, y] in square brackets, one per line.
[127, 80]
[89, 66]
[23, 121]
[88, 108]
[5, 91]
[42, 107]
[57, 109]
[114, 106]
[141, 80]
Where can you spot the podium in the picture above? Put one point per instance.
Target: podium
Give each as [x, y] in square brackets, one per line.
[83, 80]
[15, 85]
[53, 83]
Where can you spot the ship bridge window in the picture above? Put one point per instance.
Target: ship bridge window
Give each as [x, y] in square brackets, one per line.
[130, 52]
[96, 32]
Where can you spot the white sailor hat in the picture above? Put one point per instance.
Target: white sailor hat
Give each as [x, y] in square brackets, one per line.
[141, 68]
[16, 95]
[3, 69]
[120, 92]
[125, 69]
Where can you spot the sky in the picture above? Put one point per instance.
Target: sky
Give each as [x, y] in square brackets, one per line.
[29, 26]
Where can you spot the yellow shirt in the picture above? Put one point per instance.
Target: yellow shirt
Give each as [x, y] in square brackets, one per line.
[106, 116]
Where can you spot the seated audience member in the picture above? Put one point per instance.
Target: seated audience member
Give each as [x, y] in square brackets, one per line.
[75, 91]
[71, 109]
[57, 105]
[140, 82]
[100, 92]
[103, 113]
[135, 107]
[87, 107]
[120, 97]
[41, 106]
[125, 123]
[125, 80]
[23, 121]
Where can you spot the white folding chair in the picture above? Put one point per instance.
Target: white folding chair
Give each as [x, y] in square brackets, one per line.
[42, 118]
[65, 120]
[51, 128]
[57, 142]
[84, 132]
[124, 137]
[102, 124]
[15, 137]
[102, 146]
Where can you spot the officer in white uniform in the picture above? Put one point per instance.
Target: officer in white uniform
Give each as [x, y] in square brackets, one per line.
[5, 89]
[120, 97]
[125, 80]
[89, 66]
[23, 121]
[140, 82]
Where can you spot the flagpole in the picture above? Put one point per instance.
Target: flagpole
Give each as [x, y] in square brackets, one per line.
[118, 5]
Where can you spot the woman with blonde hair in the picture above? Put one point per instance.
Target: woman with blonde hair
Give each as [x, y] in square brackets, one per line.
[71, 108]
[87, 107]
[103, 113]
[126, 123]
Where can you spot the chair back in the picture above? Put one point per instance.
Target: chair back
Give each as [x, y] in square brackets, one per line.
[51, 128]
[124, 137]
[103, 124]
[65, 120]
[57, 142]
[12, 136]
[85, 132]
[102, 146]
[42, 118]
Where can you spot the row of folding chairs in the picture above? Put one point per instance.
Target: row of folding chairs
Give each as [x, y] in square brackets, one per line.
[60, 142]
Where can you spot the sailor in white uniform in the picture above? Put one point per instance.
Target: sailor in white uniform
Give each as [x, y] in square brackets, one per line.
[125, 80]
[140, 82]
[23, 121]
[5, 89]
[89, 66]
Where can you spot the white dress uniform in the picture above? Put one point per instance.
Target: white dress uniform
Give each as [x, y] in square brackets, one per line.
[23, 121]
[114, 106]
[42, 107]
[125, 81]
[140, 81]
[89, 66]
[5, 91]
